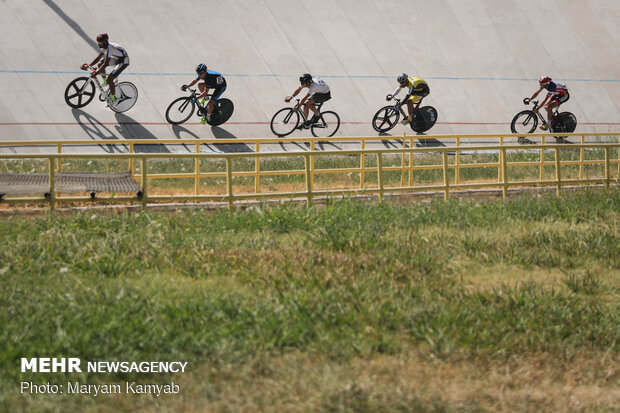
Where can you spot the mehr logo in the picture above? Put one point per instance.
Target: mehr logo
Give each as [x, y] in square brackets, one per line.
[51, 365]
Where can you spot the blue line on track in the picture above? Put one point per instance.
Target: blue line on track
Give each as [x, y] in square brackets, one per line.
[275, 75]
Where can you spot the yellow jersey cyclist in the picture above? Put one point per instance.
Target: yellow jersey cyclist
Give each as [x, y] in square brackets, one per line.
[416, 90]
[110, 54]
[207, 79]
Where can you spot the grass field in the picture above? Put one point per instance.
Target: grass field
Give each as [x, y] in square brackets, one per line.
[461, 306]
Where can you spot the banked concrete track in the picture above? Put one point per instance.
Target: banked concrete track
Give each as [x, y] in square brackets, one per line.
[480, 58]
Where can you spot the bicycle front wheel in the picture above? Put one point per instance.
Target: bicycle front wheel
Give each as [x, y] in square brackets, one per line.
[284, 122]
[524, 122]
[180, 110]
[80, 92]
[327, 125]
[126, 96]
[385, 119]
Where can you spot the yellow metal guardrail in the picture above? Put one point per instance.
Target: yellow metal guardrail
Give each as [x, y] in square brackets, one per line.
[451, 181]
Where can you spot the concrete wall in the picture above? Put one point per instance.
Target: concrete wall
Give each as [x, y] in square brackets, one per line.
[480, 58]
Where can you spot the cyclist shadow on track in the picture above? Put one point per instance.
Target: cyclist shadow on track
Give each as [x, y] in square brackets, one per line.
[218, 132]
[98, 131]
[131, 129]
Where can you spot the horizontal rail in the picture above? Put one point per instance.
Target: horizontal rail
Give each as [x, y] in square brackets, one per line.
[372, 169]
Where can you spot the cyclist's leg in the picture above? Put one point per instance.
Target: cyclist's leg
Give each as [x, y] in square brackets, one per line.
[217, 93]
[114, 75]
[554, 103]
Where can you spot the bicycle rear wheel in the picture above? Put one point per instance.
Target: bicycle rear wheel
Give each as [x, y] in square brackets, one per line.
[126, 96]
[564, 122]
[385, 119]
[423, 119]
[284, 122]
[180, 110]
[80, 92]
[327, 125]
[524, 122]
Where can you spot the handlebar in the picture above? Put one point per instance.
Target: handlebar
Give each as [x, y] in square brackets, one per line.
[291, 98]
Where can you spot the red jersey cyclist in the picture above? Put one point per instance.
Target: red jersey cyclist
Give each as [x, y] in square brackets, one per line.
[417, 89]
[556, 95]
[110, 54]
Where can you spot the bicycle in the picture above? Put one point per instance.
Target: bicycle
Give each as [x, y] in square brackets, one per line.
[181, 109]
[526, 121]
[81, 91]
[388, 116]
[287, 119]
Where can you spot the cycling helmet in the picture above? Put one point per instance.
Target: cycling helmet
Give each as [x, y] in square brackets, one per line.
[201, 68]
[544, 79]
[402, 77]
[305, 78]
[103, 37]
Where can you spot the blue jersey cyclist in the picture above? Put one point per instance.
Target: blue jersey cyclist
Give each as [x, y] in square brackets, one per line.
[207, 79]
[556, 95]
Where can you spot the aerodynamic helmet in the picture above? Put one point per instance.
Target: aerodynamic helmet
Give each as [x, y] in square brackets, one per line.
[201, 68]
[544, 79]
[305, 78]
[402, 77]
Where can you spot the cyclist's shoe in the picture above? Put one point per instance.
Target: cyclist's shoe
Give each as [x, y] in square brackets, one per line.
[105, 80]
[208, 117]
[314, 119]
[545, 126]
[406, 121]
[203, 101]
[112, 98]
[203, 120]
[307, 124]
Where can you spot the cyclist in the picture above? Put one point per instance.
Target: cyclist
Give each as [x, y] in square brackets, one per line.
[318, 92]
[556, 95]
[207, 79]
[417, 90]
[110, 54]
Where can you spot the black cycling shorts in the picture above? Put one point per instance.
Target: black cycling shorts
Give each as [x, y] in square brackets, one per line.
[321, 97]
[118, 69]
[560, 99]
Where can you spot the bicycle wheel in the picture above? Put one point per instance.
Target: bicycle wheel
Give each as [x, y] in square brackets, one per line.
[525, 121]
[222, 112]
[423, 119]
[80, 92]
[564, 122]
[180, 110]
[327, 125]
[126, 96]
[385, 119]
[284, 122]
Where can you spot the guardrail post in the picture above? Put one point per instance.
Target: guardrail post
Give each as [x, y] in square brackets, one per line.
[380, 175]
[144, 182]
[504, 174]
[457, 173]
[582, 156]
[197, 171]
[59, 161]
[362, 166]
[607, 168]
[308, 181]
[257, 170]
[411, 162]
[229, 183]
[499, 166]
[52, 173]
[542, 164]
[558, 175]
[446, 178]
[618, 149]
[312, 163]
[131, 165]
[402, 161]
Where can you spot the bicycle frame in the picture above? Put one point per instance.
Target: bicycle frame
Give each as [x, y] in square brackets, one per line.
[541, 117]
[301, 112]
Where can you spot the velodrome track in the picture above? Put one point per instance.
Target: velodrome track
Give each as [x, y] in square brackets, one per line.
[480, 58]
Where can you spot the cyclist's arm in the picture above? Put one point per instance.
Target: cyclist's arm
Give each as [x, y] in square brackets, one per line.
[192, 83]
[536, 93]
[296, 92]
[99, 56]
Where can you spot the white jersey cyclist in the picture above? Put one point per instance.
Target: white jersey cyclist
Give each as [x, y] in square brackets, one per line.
[110, 54]
[318, 92]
